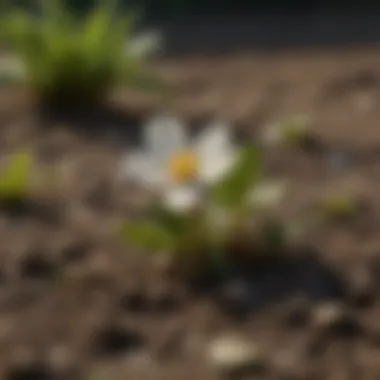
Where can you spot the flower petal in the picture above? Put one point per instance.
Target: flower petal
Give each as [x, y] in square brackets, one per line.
[216, 166]
[216, 137]
[141, 167]
[182, 198]
[164, 135]
[216, 151]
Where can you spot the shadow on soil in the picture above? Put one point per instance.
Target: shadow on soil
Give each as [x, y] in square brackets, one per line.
[107, 124]
[277, 278]
[27, 208]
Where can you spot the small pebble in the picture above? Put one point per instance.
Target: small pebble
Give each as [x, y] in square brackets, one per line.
[338, 161]
[365, 102]
[233, 356]
[271, 135]
[334, 319]
[326, 314]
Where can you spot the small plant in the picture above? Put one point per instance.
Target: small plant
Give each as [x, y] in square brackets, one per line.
[208, 190]
[14, 178]
[294, 131]
[73, 60]
[339, 207]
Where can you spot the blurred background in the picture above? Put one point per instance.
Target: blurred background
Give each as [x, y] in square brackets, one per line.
[226, 25]
[78, 303]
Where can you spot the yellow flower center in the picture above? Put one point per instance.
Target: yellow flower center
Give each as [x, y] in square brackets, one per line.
[183, 166]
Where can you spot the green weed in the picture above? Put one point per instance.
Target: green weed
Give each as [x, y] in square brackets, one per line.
[74, 59]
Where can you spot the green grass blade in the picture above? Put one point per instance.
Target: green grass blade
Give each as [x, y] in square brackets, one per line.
[147, 235]
[14, 177]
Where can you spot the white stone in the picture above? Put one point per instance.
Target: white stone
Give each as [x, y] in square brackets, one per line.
[233, 353]
[327, 313]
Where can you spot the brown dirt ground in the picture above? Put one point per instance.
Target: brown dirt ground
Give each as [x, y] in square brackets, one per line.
[76, 303]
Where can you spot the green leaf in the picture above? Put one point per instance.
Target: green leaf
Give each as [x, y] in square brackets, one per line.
[234, 188]
[189, 231]
[16, 29]
[14, 177]
[147, 235]
[174, 222]
[96, 28]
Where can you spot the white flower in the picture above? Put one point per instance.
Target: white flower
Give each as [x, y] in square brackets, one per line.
[178, 166]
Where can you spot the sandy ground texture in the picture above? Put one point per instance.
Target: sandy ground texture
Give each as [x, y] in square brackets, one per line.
[75, 303]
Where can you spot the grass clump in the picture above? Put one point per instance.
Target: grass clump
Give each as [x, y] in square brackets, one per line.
[67, 58]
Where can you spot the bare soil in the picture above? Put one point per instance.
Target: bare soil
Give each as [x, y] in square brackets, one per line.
[77, 303]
